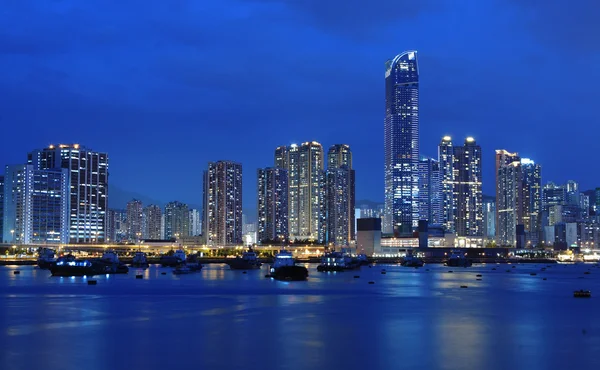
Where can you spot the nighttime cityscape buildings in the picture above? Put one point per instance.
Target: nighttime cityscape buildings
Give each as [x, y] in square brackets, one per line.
[430, 200]
[306, 189]
[58, 196]
[177, 220]
[462, 197]
[401, 144]
[134, 220]
[340, 196]
[222, 212]
[151, 222]
[272, 205]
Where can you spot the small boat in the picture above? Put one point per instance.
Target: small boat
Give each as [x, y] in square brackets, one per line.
[412, 261]
[45, 258]
[337, 261]
[192, 263]
[248, 261]
[582, 294]
[111, 264]
[177, 258]
[140, 260]
[72, 267]
[284, 268]
[458, 259]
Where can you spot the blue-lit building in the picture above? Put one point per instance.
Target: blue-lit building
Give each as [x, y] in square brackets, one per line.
[401, 144]
[1, 206]
[88, 187]
[36, 208]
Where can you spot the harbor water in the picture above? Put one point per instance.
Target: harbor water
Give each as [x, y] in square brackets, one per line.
[516, 317]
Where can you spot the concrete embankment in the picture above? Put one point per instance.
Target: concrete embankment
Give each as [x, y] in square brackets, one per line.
[381, 260]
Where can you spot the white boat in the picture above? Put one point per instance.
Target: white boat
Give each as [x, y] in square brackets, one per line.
[336, 261]
[284, 268]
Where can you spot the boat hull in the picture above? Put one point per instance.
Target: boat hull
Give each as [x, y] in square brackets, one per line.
[290, 273]
[45, 265]
[74, 271]
[325, 268]
[240, 264]
[459, 262]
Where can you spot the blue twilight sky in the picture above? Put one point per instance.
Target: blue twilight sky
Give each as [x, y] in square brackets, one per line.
[166, 86]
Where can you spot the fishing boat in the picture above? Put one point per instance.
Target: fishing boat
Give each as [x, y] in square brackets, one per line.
[457, 259]
[410, 260]
[248, 261]
[335, 261]
[140, 260]
[173, 260]
[111, 264]
[284, 268]
[45, 258]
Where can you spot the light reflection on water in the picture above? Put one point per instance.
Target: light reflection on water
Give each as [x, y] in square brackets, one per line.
[417, 318]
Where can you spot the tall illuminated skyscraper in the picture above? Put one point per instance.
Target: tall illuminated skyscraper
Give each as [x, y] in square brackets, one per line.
[469, 195]
[401, 144]
[134, 220]
[306, 189]
[462, 197]
[447, 178]
[222, 206]
[272, 204]
[340, 196]
[88, 190]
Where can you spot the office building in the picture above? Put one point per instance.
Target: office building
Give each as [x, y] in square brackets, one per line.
[584, 204]
[151, 223]
[134, 220]
[222, 213]
[272, 205]
[401, 144]
[88, 183]
[462, 195]
[430, 201]
[306, 189]
[36, 205]
[177, 220]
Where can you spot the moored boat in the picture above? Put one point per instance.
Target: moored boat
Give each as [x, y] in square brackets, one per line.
[337, 261]
[284, 268]
[248, 261]
[140, 260]
[361, 260]
[173, 260]
[45, 258]
[110, 263]
[458, 259]
[68, 267]
[410, 260]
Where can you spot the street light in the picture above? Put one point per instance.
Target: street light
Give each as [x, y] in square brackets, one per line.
[12, 235]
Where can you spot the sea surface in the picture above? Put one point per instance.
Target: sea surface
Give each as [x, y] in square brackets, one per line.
[222, 319]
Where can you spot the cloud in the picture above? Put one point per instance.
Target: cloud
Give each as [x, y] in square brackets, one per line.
[357, 19]
[563, 25]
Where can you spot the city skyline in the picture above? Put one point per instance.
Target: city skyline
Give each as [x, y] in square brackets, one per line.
[145, 86]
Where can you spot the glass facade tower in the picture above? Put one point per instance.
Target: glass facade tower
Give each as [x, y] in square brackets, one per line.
[401, 144]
